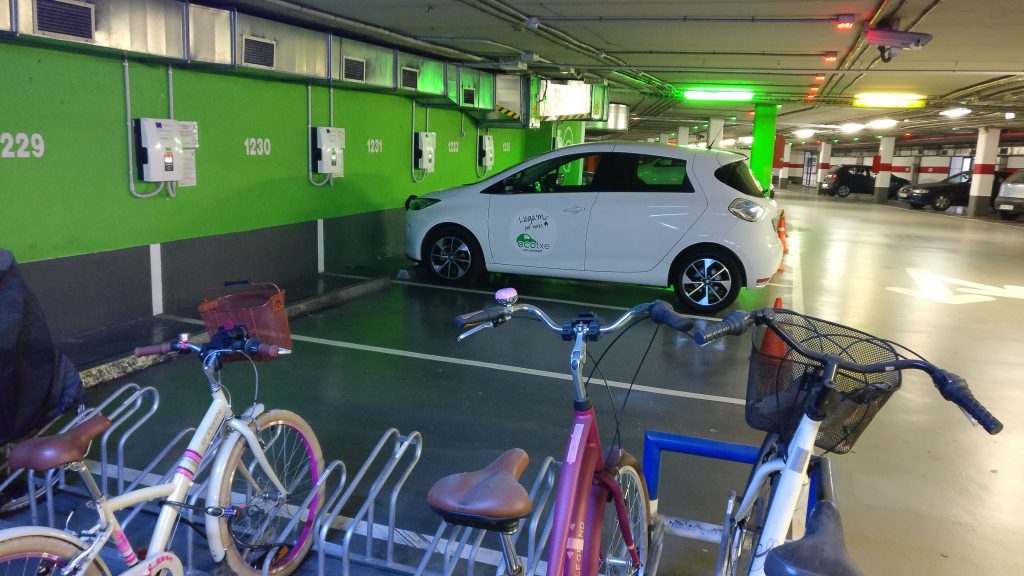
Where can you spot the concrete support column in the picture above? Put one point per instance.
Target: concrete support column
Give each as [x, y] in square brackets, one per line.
[984, 172]
[716, 127]
[664, 137]
[824, 160]
[784, 170]
[683, 135]
[762, 151]
[884, 173]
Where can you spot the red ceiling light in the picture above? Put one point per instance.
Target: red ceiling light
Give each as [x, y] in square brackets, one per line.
[809, 98]
[814, 88]
[906, 133]
[830, 56]
[751, 113]
[819, 77]
[845, 22]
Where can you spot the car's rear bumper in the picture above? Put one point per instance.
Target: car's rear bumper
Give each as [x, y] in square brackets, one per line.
[1009, 205]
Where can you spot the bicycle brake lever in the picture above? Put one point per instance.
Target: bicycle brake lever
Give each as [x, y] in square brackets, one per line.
[474, 330]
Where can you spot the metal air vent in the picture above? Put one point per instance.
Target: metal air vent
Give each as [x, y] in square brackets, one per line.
[258, 52]
[65, 18]
[353, 69]
[410, 78]
[469, 97]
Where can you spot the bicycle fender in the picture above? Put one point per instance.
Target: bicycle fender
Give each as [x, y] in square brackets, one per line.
[163, 561]
[220, 463]
[24, 531]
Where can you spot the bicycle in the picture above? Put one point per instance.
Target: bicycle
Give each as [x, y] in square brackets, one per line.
[264, 473]
[494, 500]
[812, 383]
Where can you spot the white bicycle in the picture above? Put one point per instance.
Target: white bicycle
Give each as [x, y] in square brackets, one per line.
[264, 474]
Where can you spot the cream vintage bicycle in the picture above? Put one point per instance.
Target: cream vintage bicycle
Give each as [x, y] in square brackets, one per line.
[264, 473]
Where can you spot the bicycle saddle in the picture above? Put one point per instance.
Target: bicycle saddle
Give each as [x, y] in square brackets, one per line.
[47, 452]
[821, 552]
[491, 498]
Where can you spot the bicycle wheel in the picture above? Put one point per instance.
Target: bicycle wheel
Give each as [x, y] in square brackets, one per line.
[294, 453]
[746, 533]
[615, 559]
[40, 554]
[16, 495]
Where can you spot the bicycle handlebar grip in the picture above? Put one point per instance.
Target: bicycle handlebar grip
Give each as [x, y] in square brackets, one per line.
[272, 350]
[471, 319]
[734, 324]
[955, 389]
[154, 349]
[661, 312]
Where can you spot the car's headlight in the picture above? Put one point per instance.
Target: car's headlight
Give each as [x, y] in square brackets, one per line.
[916, 191]
[415, 203]
[746, 209]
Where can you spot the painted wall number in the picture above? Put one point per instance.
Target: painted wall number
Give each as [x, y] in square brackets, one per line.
[453, 145]
[375, 146]
[257, 146]
[506, 146]
[21, 145]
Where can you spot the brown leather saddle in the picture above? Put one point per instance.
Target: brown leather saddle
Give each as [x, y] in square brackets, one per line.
[491, 498]
[47, 452]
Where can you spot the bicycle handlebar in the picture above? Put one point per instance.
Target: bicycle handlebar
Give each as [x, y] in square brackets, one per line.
[952, 387]
[249, 346]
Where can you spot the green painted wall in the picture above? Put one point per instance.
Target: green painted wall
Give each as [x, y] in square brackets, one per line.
[74, 198]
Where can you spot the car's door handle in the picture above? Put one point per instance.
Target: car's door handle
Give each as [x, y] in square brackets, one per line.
[574, 209]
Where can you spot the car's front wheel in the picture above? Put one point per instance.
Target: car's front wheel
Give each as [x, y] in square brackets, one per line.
[451, 254]
[941, 202]
[707, 280]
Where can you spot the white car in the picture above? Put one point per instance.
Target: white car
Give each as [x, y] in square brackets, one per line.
[622, 212]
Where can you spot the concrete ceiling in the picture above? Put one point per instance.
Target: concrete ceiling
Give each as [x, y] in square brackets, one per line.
[645, 49]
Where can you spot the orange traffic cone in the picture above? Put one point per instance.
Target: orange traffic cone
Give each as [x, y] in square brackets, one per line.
[772, 345]
[782, 231]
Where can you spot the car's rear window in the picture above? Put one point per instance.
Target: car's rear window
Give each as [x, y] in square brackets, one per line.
[737, 175]
[1015, 178]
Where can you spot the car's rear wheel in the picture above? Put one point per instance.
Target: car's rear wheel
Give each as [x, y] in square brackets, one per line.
[452, 254]
[941, 202]
[707, 280]
[843, 191]
[1007, 216]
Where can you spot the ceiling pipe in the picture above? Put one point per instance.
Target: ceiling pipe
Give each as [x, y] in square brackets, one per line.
[535, 20]
[857, 49]
[791, 71]
[326, 19]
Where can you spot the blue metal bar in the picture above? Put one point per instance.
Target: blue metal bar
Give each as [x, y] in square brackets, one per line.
[657, 442]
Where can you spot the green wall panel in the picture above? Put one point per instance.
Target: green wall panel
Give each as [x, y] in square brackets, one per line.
[74, 199]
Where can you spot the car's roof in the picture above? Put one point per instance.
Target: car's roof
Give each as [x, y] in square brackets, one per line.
[654, 149]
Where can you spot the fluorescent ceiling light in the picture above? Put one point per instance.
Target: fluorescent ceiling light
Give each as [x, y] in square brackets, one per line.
[887, 100]
[746, 139]
[851, 127]
[728, 142]
[719, 95]
[955, 112]
[882, 124]
[805, 133]
[1010, 115]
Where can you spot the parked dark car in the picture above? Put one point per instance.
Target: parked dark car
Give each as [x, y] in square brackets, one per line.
[846, 178]
[1010, 201]
[953, 191]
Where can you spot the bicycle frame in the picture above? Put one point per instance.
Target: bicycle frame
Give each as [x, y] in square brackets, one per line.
[583, 489]
[218, 417]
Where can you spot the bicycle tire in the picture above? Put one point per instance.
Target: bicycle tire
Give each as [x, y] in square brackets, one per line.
[248, 536]
[16, 496]
[615, 559]
[746, 532]
[28, 553]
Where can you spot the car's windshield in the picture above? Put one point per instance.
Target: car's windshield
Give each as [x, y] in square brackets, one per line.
[737, 175]
[959, 178]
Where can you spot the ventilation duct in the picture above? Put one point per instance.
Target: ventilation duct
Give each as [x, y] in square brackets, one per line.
[476, 89]
[421, 76]
[209, 35]
[268, 45]
[363, 65]
[565, 100]
[618, 120]
[152, 27]
[512, 102]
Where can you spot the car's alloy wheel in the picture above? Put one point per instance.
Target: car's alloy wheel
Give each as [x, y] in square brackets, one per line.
[452, 255]
[708, 281]
[941, 202]
[843, 191]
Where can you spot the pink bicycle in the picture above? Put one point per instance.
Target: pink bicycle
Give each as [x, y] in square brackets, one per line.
[587, 536]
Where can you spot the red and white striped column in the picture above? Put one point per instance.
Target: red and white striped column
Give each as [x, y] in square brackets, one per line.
[824, 160]
[984, 172]
[883, 172]
[783, 163]
[933, 169]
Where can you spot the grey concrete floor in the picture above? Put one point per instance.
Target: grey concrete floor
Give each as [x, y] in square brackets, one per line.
[923, 492]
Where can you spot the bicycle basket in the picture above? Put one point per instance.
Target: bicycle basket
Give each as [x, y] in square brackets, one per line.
[780, 379]
[259, 307]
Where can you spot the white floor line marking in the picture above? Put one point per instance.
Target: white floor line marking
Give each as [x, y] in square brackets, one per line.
[508, 368]
[798, 279]
[356, 276]
[780, 285]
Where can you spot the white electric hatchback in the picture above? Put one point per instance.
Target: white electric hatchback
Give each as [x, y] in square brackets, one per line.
[622, 212]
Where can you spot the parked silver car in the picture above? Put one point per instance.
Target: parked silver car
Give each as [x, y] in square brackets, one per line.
[1010, 202]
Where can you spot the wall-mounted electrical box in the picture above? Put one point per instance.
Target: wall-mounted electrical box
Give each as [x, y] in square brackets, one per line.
[485, 154]
[328, 147]
[160, 148]
[424, 150]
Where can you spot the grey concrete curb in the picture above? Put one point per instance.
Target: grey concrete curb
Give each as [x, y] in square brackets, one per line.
[130, 364]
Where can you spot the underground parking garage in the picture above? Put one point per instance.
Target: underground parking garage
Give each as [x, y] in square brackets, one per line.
[358, 187]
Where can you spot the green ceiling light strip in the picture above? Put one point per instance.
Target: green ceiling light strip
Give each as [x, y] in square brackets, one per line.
[718, 95]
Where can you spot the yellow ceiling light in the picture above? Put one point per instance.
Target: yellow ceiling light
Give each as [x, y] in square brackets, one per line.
[888, 100]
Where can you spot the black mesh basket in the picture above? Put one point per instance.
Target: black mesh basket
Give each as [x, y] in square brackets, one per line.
[780, 379]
